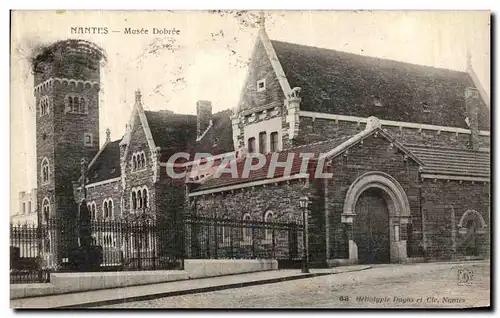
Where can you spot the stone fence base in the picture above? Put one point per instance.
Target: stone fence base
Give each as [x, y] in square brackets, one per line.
[63, 283]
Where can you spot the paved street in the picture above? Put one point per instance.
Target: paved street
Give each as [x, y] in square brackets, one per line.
[415, 285]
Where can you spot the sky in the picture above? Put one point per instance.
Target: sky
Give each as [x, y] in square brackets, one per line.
[208, 59]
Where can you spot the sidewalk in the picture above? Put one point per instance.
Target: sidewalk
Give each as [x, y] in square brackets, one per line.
[146, 292]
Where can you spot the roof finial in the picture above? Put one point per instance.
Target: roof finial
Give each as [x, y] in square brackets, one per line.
[108, 134]
[138, 96]
[262, 20]
[469, 59]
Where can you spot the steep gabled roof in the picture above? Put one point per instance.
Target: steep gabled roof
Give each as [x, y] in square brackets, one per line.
[170, 130]
[455, 162]
[107, 163]
[177, 133]
[350, 84]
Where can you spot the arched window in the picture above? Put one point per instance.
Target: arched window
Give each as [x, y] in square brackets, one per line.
[76, 105]
[105, 210]
[247, 229]
[139, 199]
[269, 218]
[134, 162]
[44, 105]
[274, 142]
[92, 210]
[70, 103]
[262, 142]
[145, 197]
[134, 200]
[110, 209]
[45, 209]
[251, 145]
[82, 106]
[45, 170]
[471, 226]
[143, 160]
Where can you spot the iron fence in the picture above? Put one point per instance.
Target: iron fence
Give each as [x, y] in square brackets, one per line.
[219, 238]
[115, 245]
[25, 261]
[112, 245]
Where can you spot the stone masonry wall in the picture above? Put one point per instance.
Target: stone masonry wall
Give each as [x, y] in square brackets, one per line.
[441, 200]
[138, 177]
[97, 194]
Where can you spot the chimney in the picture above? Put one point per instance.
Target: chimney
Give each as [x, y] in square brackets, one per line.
[108, 135]
[204, 116]
[138, 97]
[472, 101]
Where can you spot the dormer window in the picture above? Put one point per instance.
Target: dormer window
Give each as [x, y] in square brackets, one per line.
[377, 102]
[261, 85]
[425, 107]
[87, 139]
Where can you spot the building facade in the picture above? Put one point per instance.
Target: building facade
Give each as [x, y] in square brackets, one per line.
[27, 209]
[403, 151]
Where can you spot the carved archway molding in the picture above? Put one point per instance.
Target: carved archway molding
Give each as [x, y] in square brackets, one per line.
[398, 201]
[463, 230]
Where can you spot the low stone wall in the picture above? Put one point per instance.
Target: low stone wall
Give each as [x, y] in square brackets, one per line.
[63, 283]
[197, 268]
[341, 262]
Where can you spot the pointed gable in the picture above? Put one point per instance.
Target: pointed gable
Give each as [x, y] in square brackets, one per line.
[261, 69]
[177, 133]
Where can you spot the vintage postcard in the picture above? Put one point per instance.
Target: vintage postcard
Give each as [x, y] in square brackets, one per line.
[250, 159]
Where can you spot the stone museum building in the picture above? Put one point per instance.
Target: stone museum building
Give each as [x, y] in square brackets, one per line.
[406, 148]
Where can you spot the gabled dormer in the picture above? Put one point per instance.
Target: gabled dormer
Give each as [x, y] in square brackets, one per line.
[266, 118]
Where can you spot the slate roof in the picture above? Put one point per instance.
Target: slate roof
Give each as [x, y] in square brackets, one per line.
[260, 174]
[453, 161]
[219, 138]
[173, 133]
[349, 84]
[107, 164]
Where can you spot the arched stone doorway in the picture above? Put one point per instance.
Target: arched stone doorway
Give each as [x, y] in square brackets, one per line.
[376, 208]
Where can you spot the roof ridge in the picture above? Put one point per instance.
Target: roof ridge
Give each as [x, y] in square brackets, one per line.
[371, 56]
[222, 111]
[444, 148]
